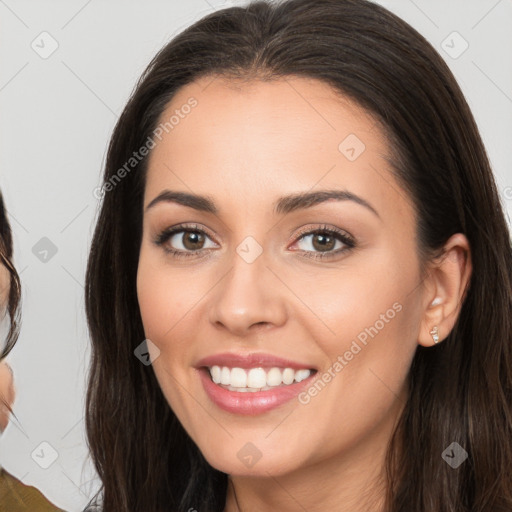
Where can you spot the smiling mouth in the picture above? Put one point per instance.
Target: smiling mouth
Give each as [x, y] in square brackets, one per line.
[256, 379]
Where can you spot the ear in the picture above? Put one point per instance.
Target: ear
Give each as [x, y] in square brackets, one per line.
[445, 287]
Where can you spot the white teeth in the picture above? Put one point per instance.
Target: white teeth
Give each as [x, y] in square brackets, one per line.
[288, 376]
[238, 378]
[256, 379]
[301, 375]
[215, 372]
[274, 377]
[225, 376]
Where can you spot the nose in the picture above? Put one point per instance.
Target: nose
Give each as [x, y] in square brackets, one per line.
[248, 298]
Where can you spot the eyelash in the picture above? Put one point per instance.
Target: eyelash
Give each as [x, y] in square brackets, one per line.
[338, 234]
[342, 236]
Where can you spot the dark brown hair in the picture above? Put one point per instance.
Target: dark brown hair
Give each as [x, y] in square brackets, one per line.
[14, 296]
[460, 390]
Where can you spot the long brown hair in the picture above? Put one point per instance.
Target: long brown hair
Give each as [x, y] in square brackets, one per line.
[460, 390]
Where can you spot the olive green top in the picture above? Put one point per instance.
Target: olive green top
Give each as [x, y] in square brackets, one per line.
[17, 497]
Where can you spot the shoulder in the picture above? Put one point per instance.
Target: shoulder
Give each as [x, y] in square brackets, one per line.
[18, 497]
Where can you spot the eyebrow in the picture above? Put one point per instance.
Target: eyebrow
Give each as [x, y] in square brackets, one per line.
[282, 206]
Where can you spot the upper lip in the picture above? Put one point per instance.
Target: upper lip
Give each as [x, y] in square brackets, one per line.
[251, 360]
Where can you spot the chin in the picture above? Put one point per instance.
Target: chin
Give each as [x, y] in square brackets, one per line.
[244, 458]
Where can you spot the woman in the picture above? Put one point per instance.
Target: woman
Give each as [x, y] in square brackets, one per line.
[14, 495]
[300, 230]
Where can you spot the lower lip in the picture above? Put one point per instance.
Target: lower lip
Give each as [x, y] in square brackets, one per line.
[250, 403]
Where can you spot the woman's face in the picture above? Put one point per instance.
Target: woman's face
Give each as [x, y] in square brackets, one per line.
[252, 285]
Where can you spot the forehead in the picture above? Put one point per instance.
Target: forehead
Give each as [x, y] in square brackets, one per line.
[269, 136]
[290, 110]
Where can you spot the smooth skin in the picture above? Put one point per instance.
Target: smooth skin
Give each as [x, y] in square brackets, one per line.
[244, 146]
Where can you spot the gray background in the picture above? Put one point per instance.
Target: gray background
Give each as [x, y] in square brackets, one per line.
[57, 115]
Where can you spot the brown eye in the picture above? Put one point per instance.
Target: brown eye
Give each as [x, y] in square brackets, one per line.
[192, 240]
[184, 241]
[322, 242]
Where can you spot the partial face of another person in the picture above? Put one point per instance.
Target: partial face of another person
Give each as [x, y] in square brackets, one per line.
[6, 381]
[322, 295]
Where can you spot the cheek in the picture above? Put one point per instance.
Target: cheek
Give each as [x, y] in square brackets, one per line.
[361, 301]
[167, 298]
[162, 303]
[365, 322]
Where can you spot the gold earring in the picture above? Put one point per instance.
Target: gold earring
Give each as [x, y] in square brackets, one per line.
[435, 334]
